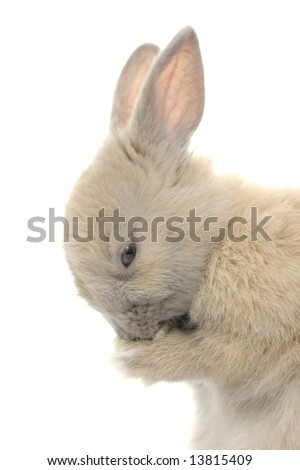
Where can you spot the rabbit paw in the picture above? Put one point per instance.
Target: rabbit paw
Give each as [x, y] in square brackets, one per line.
[162, 358]
[136, 359]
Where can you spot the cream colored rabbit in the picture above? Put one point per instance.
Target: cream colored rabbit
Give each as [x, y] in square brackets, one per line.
[213, 301]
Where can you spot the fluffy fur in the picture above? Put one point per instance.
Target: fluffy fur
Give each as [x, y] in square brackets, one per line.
[240, 347]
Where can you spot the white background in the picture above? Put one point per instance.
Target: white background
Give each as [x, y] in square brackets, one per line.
[60, 60]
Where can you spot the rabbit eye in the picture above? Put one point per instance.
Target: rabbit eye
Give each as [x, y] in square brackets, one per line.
[128, 254]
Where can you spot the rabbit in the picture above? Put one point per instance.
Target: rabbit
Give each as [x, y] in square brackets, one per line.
[201, 281]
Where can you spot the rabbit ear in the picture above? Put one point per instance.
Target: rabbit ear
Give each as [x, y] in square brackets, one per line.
[130, 82]
[172, 100]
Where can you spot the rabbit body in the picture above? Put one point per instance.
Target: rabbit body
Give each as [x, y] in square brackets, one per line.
[238, 284]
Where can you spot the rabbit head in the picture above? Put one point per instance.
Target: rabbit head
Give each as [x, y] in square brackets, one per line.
[143, 173]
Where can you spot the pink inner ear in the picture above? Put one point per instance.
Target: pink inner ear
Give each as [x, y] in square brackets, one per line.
[134, 89]
[178, 90]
